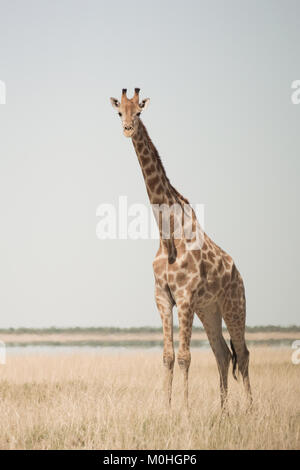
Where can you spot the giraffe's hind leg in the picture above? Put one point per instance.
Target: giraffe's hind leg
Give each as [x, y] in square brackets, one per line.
[212, 322]
[233, 310]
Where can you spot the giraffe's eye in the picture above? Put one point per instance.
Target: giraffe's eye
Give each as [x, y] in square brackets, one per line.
[138, 114]
[120, 114]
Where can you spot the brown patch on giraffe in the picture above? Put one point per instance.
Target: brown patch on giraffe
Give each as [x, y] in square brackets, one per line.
[225, 279]
[160, 189]
[214, 286]
[194, 283]
[206, 266]
[155, 200]
[211, 245]
[140, 146]
[233, 272]
[153, 182]
[201, 291]
[180, 279]
[228, 261]
[191, 263]
[159, 265]
[211, 256]
[203, 269]
[180, 293]
[150, 170]
[168, 194]
[204, 247]
[145, 160]
[234, 289]
[207, 296]
[184, 322]
[220, 266]
[184, 305]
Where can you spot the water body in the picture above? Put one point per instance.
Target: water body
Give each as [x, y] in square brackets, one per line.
[115, 348]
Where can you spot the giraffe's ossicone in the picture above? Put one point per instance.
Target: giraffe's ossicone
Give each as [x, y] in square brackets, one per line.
[203, 280]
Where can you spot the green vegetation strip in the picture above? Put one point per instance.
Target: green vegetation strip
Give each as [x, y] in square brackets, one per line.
[144, 329]
[142, 344]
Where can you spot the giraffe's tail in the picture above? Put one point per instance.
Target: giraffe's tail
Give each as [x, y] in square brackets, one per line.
[234, 360]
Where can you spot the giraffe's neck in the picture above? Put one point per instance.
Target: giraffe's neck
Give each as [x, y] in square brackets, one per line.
[159, 188]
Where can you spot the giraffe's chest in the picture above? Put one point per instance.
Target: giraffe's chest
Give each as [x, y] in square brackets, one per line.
[181, 277]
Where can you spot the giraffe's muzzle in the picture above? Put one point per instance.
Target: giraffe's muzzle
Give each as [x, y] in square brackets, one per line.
[128, 131]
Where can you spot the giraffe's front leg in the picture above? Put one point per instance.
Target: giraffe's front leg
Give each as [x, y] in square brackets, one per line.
[185, 316]
[165, 307]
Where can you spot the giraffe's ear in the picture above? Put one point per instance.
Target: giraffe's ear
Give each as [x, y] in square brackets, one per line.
[144, 103]
[115, 103]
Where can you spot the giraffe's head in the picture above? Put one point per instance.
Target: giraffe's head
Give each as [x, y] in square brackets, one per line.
[129, 111]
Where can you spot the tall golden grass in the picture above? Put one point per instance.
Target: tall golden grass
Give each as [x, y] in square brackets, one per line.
[88, 401]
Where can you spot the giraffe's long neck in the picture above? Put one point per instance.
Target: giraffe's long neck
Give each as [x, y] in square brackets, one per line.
[159, 188]
[157, 183]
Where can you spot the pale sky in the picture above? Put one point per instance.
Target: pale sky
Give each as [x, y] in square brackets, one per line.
[219, 77]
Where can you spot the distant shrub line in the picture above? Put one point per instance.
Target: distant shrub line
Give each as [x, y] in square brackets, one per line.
[144, 329]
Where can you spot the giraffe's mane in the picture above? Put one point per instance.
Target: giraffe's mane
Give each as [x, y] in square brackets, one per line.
[157, 156]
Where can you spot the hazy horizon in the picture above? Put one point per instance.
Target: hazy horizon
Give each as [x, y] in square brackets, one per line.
[138, 328]
[219, 80]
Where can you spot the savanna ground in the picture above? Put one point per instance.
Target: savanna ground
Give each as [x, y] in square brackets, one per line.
[90, 401]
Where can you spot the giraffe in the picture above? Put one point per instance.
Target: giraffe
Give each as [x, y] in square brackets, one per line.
[204, 280]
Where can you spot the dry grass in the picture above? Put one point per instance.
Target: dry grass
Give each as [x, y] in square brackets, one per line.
[89, 401]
